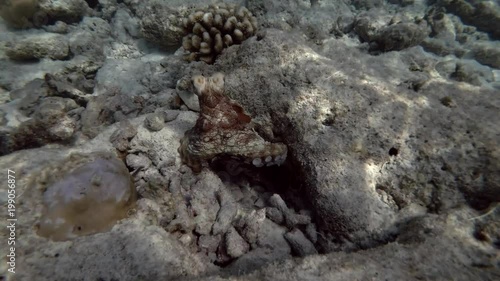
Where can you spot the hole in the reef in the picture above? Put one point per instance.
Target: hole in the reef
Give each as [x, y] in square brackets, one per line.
[480, 235]
[274, 179]
[329, 120]
[393, 151]
[445, 167]
[92, 3]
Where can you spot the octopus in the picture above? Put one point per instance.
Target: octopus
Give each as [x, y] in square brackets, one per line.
[224, 129]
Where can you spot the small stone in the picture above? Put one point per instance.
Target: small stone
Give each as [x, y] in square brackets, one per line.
[59, 27]
[301, 246]
[209, 242]
[155, 121]
[257, 162]
[186, 239]
[170, 115]
[184, 90]
[236, 246]
[225, 217]
[252, 225]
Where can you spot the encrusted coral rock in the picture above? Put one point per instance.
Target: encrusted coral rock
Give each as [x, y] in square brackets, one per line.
[162, 24]
[84, 194]
[215, 28]
[223, 128]
[400, 36]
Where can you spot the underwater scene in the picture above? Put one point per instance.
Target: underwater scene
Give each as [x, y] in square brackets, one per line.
[293, 140]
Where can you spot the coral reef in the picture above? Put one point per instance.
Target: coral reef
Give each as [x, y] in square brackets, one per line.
[86, 195]
[211, 30]
[224, 128]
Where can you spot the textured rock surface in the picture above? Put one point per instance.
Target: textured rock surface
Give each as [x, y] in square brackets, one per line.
[36, 47]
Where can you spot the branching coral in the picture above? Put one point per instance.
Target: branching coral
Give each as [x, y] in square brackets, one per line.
[223, 128]
[211, 30]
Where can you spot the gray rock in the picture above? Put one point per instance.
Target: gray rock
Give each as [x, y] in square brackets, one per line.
[68, 11]
[38, 46]
[49, 124]
[160, 99]
[301, 246]
[3, 119]
[252, 223]
[441, 47]
[125, 26]
[161, 24]
[137, 162]
[401, 36]
[236, 246]
[485, 15]
[364, 27]
[128, 80]
[446, 68]
[97, 27]
[472, 73]
[30, 95]
[312, 232]
[94, 116]
[275, 215]
[291, 219]
[122, 135]
[271, 236]
[66, 90]
[183, 222]
[170, 115]
[226, 214]
[204, 202]
[442, 26]
[209, 243]
[185, 91]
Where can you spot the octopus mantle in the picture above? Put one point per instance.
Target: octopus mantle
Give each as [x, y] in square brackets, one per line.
[223, 128]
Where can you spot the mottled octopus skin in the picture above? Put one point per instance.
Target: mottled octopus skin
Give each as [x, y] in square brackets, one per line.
[223, 128]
